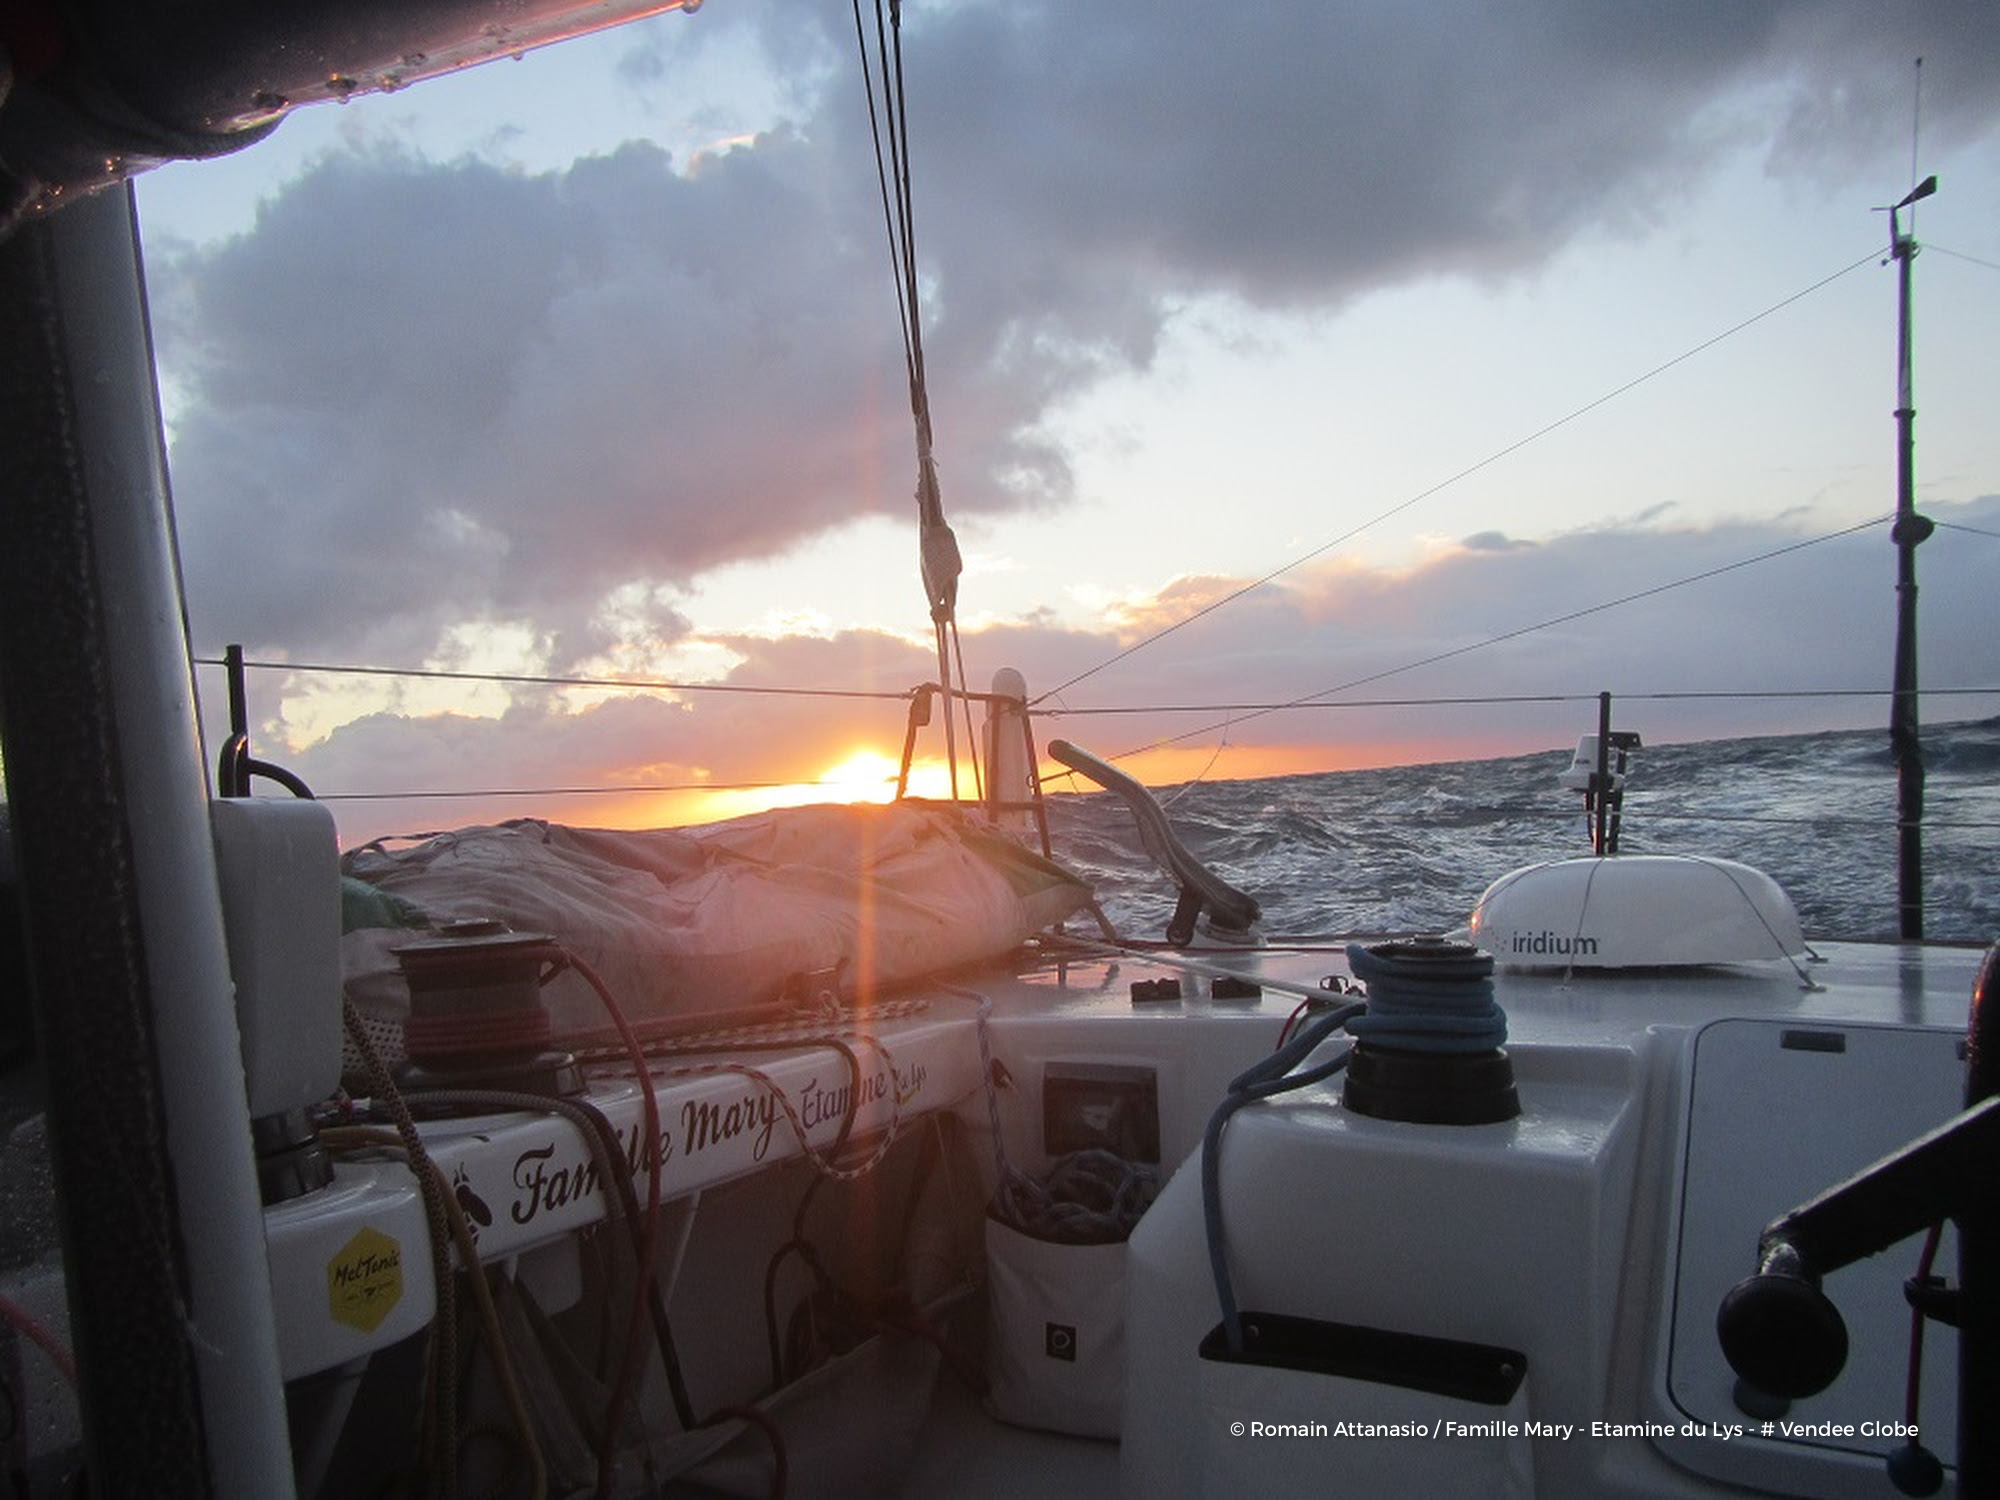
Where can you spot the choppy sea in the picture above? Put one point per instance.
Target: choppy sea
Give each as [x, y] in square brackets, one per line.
[1410, 848]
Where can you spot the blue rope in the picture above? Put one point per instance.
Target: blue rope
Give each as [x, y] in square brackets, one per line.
[1437, 1003]
[1428, 1004]
[1269, 1076]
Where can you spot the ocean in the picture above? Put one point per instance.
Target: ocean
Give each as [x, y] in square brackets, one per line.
[1410, 848]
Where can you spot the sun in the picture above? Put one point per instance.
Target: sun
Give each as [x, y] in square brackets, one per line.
[865, 776]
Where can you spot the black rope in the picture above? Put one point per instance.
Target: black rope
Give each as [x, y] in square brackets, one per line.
[889, 123]
[875, 124]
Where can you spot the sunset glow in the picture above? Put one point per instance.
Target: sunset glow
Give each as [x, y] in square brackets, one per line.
[865, 776]
[1350, 490]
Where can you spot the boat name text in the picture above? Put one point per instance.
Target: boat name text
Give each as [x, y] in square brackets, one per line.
[543, 1183]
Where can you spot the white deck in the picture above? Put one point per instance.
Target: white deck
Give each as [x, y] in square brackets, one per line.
[1592, 1183]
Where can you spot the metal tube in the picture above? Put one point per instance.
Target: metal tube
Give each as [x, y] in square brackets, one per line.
[1910, 529]
[1599, 833]
[159, 870]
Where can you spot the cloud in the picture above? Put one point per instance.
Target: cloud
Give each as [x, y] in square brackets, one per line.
[422, 393]
[419, 398]
[602, 755]
[1492, 541]
[1300, 154]
[1645, 613]
[1441, 661]
[418, 393]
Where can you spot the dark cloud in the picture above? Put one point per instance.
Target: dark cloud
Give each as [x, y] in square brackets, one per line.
[441, 392]
[1492, 541]
[419, 393]
[445, 392]
[1300, 153]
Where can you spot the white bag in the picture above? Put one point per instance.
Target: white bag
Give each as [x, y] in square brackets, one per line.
[1055, 1355]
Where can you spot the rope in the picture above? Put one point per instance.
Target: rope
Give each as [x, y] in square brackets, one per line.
[29, 1327]
[447, 1038]
[615, 1170]
[1937, 249]
[441, 1396]
[1489, 700]
[1087, 1198]
[821, 1162]
[937, 546]
[798, 1244]
[626, 1386]
[1262, 1080]
[339, 1137]
[1427, 1004]
[1091, 1197]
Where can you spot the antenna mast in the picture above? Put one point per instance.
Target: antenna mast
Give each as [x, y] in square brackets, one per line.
[1908, 532]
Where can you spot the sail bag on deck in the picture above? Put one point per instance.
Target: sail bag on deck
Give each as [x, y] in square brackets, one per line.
[726, 920]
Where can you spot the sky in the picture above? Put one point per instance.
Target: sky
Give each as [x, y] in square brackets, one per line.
[1373, 353]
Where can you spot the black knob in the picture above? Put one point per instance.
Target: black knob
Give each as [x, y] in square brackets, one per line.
[1780, 1333]
[1915, 1470]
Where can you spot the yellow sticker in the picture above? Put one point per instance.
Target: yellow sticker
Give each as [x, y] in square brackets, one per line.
[364, 1282]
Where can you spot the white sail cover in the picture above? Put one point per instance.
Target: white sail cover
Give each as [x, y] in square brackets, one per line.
[725, 918]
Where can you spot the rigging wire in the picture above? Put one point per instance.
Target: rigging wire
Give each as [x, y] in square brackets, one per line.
[1489, 700]
[1934, 249]
[937, 545]
[1487, 462]
[1968, 530]
[1515, 634]
[896, 243]
[630, 788]
[1247, 710]
[532, 679]
[1199, 777]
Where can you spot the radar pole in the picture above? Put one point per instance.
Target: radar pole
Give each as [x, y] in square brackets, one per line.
[1908, 532]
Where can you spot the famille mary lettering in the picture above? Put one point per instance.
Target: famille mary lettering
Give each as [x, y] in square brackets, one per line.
[543, 1184]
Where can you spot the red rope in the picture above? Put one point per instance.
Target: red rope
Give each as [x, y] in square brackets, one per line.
[29, 1327]
[453, 1036]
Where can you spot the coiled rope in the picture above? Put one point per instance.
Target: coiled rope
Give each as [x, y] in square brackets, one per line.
[1427, 1002]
